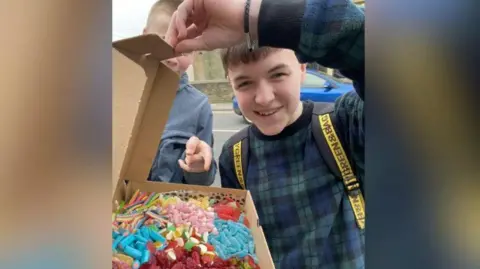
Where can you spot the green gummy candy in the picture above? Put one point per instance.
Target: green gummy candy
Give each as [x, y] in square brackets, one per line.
[171, 228]
[189, 245]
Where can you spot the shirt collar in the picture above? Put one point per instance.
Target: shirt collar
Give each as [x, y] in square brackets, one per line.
[183, 81]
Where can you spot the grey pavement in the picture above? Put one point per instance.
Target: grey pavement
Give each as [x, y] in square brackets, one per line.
[225, 124]
[222, 107]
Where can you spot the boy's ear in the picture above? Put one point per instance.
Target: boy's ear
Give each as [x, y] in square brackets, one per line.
[303, 70]
[144, 31]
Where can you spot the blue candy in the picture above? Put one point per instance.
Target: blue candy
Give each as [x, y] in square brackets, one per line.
[144, 232]
[234, 240]
[156, 237]
[145, 256]
[140, 246]
[134, 253]
[251, 247]
[127, 241]
[117, 241]
[141, 238]
[115, 234]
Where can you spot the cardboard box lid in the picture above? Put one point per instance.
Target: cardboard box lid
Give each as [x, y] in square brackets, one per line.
[143, 93]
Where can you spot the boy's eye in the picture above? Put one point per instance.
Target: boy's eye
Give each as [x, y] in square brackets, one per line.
[278, 75]
[243, 84]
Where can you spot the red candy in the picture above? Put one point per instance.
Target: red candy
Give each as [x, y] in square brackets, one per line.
[251, 262]
[226, 212]
[190, 260]
[172, 244]
[162, 259]
[180, 253]
[151, 247]
[196, 257]
[179, 266]
[209, 247]
[149, 266]
[207, 260]
[191, 264]
[217, 262]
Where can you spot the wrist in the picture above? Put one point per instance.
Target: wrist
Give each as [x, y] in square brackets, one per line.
[253, 19]
[279, 23]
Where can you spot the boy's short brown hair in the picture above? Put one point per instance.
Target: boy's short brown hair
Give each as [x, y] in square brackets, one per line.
[166, 6]
[242, 54]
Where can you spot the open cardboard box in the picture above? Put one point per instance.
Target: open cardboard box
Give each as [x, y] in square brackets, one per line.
[143, 93]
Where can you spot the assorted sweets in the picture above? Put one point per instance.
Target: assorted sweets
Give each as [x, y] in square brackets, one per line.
[181, 230]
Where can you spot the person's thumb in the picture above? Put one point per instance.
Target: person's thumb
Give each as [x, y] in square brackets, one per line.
[191, 146]
[189, 45]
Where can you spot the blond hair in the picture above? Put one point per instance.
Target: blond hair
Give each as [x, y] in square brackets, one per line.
[164, 6]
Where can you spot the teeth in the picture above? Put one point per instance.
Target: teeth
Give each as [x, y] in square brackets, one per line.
[266, 113]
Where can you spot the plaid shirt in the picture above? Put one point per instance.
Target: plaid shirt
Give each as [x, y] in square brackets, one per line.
[303, 209]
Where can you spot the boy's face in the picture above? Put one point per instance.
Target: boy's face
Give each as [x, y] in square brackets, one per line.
[158, 24]
[268, 91]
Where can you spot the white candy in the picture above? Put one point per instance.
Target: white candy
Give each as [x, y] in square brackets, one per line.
[169, 235]
[195, 240]
[205, 237]
[171, 255]
[180, 242]
[203, 249]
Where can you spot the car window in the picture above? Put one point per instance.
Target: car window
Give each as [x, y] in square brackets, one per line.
[313, 81]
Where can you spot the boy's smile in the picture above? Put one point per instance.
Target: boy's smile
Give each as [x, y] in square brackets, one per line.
[267, 113]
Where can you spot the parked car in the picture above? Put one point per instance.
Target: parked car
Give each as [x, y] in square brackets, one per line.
[317, 87]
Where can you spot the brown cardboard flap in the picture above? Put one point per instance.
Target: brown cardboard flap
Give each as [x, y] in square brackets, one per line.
[146, 44]
[261, 247]
[167, 187]
[142, 97]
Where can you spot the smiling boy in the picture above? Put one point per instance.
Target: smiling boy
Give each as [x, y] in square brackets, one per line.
[303, 208]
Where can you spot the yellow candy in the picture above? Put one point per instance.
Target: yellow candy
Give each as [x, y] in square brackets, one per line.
[124, 258]
[178, 232]
[170, 201]
[210, 253]
[157, 244]
[203, 203]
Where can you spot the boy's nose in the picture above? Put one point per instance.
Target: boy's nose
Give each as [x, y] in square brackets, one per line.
[265, 94]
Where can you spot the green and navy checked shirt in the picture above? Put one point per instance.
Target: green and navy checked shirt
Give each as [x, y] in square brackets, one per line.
[303, 209]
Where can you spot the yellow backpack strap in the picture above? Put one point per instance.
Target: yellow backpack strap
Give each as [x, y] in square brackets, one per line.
[240, 155]
[332, 151]
[237, 162]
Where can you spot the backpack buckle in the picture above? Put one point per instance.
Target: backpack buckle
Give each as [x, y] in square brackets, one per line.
[352, 185]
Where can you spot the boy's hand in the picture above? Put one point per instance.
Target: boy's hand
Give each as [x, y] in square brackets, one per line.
[210, 24]
[198, 156]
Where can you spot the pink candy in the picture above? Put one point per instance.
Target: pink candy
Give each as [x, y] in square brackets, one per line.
[186, 213]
